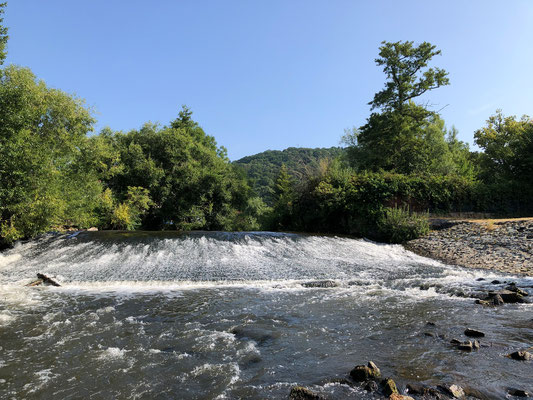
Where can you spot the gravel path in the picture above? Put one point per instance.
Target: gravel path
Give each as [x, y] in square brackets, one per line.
[502, 246]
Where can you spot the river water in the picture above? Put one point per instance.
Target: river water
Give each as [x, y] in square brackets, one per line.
[225, 315]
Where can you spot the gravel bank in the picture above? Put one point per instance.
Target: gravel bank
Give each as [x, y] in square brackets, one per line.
[501, 246]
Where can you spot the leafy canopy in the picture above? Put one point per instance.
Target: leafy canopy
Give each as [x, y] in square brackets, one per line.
[407, 74]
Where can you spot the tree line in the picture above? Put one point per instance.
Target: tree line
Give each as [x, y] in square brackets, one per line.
[55, 173]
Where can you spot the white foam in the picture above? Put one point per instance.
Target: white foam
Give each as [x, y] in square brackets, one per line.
[112, 353]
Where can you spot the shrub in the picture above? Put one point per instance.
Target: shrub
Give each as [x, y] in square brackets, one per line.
[398, 225]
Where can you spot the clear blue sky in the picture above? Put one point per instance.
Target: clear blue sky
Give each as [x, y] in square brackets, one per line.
[270, 74]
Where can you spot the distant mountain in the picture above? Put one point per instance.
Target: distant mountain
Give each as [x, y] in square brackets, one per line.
[263, 168]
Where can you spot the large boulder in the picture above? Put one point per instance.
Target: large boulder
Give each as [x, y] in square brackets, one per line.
[508, 296]
[361, 373]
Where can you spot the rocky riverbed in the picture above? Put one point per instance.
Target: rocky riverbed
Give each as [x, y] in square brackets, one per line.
[505, 246]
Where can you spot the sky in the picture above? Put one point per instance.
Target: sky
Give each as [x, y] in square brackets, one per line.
[273, 74]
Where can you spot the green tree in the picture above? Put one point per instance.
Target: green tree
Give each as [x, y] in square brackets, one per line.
[404, 137]
[190, 180]
[3, 35]
[43, 180]
[407, 75]
[507, 144]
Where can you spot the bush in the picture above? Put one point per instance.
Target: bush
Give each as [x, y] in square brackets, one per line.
[398, 225]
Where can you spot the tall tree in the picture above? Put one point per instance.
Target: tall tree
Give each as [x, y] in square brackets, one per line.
[407, 74]
[3, 35]
[404, 137]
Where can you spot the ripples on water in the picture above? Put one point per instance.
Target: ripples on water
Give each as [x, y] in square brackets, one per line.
[222, 315]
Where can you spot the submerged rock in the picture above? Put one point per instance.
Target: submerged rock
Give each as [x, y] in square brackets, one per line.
[302, 393]
[521, 356]
[473, 333]
[320, 284]
[362, 373]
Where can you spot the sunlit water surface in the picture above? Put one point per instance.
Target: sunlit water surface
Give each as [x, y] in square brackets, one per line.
[225, 315]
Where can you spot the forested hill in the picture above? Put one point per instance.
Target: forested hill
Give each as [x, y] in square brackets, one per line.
[263, 168]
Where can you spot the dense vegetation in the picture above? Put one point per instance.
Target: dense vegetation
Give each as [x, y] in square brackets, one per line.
[403, 161]
[262, 169]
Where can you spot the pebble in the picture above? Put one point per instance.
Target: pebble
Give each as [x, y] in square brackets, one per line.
[505, 247]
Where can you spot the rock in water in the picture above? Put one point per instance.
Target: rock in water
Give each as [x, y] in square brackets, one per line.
[389, 387]
[320, 284]
[397, 396]
[466, 346]
[301, 393]
[43, 280]
[362, 373]
[518, 393]
[454, 390]
[371, 386]
[521, 356]
[508, 296]
[473, 333]
[47, 281]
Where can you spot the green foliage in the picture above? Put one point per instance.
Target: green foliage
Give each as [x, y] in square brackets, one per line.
[398, 225]
[262, 169]
[407, 75]
[3, 35]
[43, 180]
[406, 137]
[508, 148]
[191, 183]
[283, 190]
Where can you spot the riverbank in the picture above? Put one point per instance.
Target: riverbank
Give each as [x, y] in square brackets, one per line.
[500, 245]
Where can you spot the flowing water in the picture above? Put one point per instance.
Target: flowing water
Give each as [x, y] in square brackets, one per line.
[225, 315]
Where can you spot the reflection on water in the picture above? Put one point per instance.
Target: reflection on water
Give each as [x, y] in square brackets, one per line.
[225, 316]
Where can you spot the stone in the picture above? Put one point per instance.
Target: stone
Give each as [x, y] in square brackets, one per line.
[497, 300]
[371, 386]
[476, 345]
[496, 282]
[508, 296]
[521, 356]
[389, 387]
[92, 229]
[513, 288]
[466, 346]
[518, 393]
[43, 280]
[302, 393]
[454, 390]
[473, 333]
[414, 388]
[430, 334]
[397, 396]
[320, 284]
[361, 373]
[455, 341]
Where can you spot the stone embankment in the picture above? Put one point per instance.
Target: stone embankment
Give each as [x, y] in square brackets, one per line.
[504, 245]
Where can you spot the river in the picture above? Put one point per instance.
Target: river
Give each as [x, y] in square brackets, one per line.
[231, 315]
